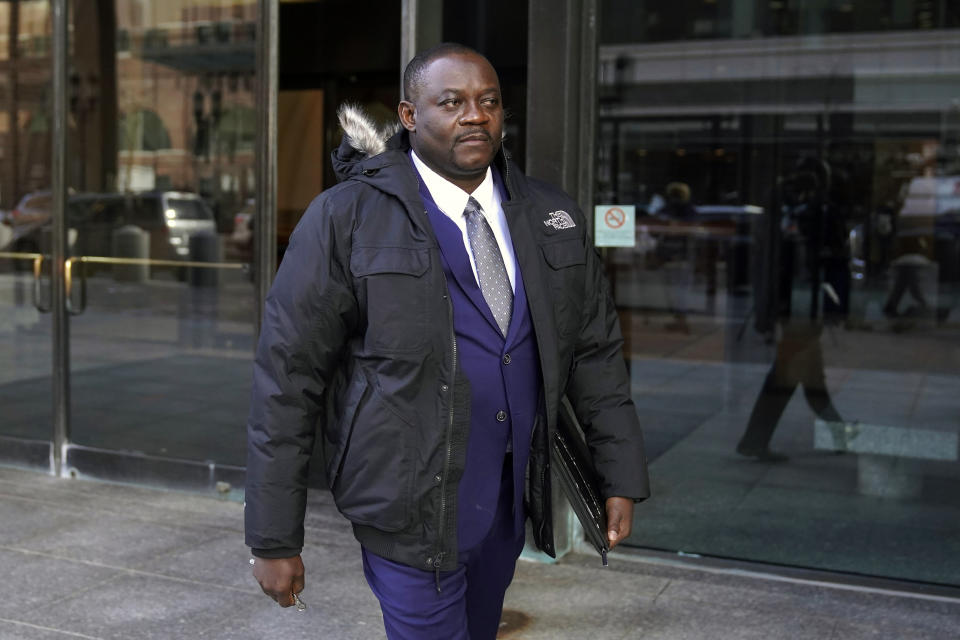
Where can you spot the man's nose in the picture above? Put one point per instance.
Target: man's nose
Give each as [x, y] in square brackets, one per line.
[472, 113]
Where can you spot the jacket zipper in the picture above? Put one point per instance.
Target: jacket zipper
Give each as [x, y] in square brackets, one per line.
[438, 560]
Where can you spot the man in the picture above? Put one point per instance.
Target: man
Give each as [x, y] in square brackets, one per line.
[429, 314]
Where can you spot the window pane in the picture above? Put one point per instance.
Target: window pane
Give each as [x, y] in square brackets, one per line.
[161, 163]
[26, 420]
[790, 304]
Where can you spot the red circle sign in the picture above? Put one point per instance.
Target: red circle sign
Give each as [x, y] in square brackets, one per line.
[614, 217]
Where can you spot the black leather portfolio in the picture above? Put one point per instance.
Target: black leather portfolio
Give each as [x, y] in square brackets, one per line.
[579, 480]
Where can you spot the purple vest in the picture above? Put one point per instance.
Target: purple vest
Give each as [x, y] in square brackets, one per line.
[504, 376]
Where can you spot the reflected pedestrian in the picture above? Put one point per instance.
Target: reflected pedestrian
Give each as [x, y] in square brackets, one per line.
[800, 237]
[677, 250]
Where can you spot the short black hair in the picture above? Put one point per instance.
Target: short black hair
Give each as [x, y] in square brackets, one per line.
[413, 73]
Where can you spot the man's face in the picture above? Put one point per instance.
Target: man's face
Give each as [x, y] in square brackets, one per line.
[456, 118]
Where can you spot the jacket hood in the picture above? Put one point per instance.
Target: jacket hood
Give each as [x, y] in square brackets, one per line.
[362, 140]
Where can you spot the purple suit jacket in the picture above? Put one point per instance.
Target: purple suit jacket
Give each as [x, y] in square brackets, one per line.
[504, 375]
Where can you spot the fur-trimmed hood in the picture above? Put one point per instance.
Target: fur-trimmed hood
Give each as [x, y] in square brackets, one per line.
[362, 139]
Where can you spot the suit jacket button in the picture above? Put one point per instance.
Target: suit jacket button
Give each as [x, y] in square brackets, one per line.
[501, 416]
[506, 359]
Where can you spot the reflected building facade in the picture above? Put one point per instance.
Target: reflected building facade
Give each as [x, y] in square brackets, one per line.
[789, 303]
[816, 147]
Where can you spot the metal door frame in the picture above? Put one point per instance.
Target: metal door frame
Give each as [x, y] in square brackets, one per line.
[58, 184]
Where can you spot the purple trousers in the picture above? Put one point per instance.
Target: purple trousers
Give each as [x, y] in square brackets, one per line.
[470, 600]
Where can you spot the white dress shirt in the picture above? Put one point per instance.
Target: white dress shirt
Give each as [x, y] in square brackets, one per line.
[452, 200]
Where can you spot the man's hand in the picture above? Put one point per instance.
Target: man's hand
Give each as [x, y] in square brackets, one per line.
[280, 578]
[619, 519]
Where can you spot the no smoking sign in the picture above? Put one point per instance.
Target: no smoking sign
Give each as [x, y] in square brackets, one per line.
[614, 217]
[614, 225]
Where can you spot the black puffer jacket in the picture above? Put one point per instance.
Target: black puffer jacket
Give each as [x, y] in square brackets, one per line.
[357, 346]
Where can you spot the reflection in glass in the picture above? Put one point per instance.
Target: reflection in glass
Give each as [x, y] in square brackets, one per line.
[25, 329]
[795, 169]
[162, 121]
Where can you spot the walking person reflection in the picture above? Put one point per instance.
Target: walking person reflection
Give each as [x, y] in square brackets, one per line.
[804, 236]
[678, 255]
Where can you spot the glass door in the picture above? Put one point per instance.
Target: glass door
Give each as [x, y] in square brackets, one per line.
[160, 217]
[25, 216]
[790, 304]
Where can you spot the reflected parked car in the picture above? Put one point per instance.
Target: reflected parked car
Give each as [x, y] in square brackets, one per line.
[932, 206]
[30, 238]
[932, 197]
[239, 245]
[33, 208]
[6, 230]
[170, 218]
[928, 233]
[240, 242]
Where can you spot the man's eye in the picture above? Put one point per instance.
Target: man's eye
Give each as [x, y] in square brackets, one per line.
[449, 102]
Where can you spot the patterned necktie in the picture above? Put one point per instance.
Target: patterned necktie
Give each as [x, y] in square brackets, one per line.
[494, 283]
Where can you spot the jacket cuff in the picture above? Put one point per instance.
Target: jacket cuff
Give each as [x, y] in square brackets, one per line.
[634, 498]
[279, 552]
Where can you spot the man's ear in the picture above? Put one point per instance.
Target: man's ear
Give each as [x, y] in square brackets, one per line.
[408, 115]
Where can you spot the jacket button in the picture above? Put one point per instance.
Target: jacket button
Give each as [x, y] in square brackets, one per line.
[437, 478]
[506, 359]
[444, 388]
[501, 416]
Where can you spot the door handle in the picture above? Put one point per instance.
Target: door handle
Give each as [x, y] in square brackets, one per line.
[68, 285]
[38, 286]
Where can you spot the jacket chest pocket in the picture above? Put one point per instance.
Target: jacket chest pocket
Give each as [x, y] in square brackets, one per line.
[392, 290]
[566, 273]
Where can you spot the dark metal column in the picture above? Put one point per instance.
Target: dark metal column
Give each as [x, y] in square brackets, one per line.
[12, 184]
[106, 113]
[58, 179]
[265, 216]
[561, 133]
[421, 24]
[561, 95]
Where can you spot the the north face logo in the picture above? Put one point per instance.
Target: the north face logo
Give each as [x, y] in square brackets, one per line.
[559, 220]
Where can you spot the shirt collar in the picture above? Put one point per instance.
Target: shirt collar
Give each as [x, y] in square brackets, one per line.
[450, 198]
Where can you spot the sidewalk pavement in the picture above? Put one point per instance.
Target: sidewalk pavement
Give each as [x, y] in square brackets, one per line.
[91, 560]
